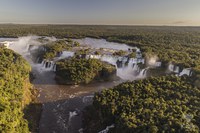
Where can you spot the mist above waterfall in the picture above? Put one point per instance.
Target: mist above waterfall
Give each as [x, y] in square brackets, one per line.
[28, 44]
[51, 39]
[22, 44]
[151, 61]
[126, 68]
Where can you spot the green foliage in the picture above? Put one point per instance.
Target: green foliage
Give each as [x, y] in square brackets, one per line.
[132, 55]
[76, 44]
[180, 45]
[82, 52]
[119, 53]
[76, 71]
[164, 104]
[14, 92]
[97, 53]
[54, 48]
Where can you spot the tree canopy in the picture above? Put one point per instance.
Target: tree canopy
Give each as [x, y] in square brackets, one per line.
[159, 104]
[76, 71]
[15, 91]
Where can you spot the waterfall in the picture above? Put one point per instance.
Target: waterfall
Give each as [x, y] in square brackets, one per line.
[176, 69]
[38, 60]
[127, 68]
[65, 54]
[186, 71]
[109, 59]
[54, 68]
[171, 67]
[47, 65]
[71, 115]
[158, 64]
[136, 68]
[143, 72]
[107, 129]
[138, 54]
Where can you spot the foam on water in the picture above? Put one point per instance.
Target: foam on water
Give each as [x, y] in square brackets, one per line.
[65, 54]
[127, 68]
[186, 71]
[107, 129]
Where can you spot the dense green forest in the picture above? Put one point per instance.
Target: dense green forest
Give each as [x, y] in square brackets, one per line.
[54, 49]
[15, 92]
[179, 45]
[165, 104]
[159, 104]
[80, 70]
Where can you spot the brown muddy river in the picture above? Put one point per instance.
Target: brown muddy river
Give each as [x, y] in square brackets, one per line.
[63, 104]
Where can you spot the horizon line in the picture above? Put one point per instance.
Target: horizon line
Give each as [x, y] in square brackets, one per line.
[79, 24]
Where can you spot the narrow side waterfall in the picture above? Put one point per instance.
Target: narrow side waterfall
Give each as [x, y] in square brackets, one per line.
[171, 67]
[47, 65]
[64, 54]
[71, 115]
[186, 71]
[107, 129]
[176, 69]
[143, 73]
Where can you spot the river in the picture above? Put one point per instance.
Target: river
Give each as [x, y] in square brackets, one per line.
[62, 105]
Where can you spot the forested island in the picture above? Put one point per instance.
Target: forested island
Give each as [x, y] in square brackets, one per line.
[76, 71]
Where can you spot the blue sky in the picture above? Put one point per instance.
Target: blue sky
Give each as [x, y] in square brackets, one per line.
[131, 12]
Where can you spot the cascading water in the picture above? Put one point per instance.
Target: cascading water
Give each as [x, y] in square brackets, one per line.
[71, 115]
[64, 54]
[186, 71]
[52, 92]
[107, 129]
[47, 65]
[127, 68]
[24, 46]
[143, 73]
[171, 67]
[176, 69]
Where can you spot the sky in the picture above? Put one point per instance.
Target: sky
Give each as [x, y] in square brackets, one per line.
[108, 12]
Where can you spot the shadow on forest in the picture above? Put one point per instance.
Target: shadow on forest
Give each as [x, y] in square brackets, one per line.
[58, 116]
[32, 114]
